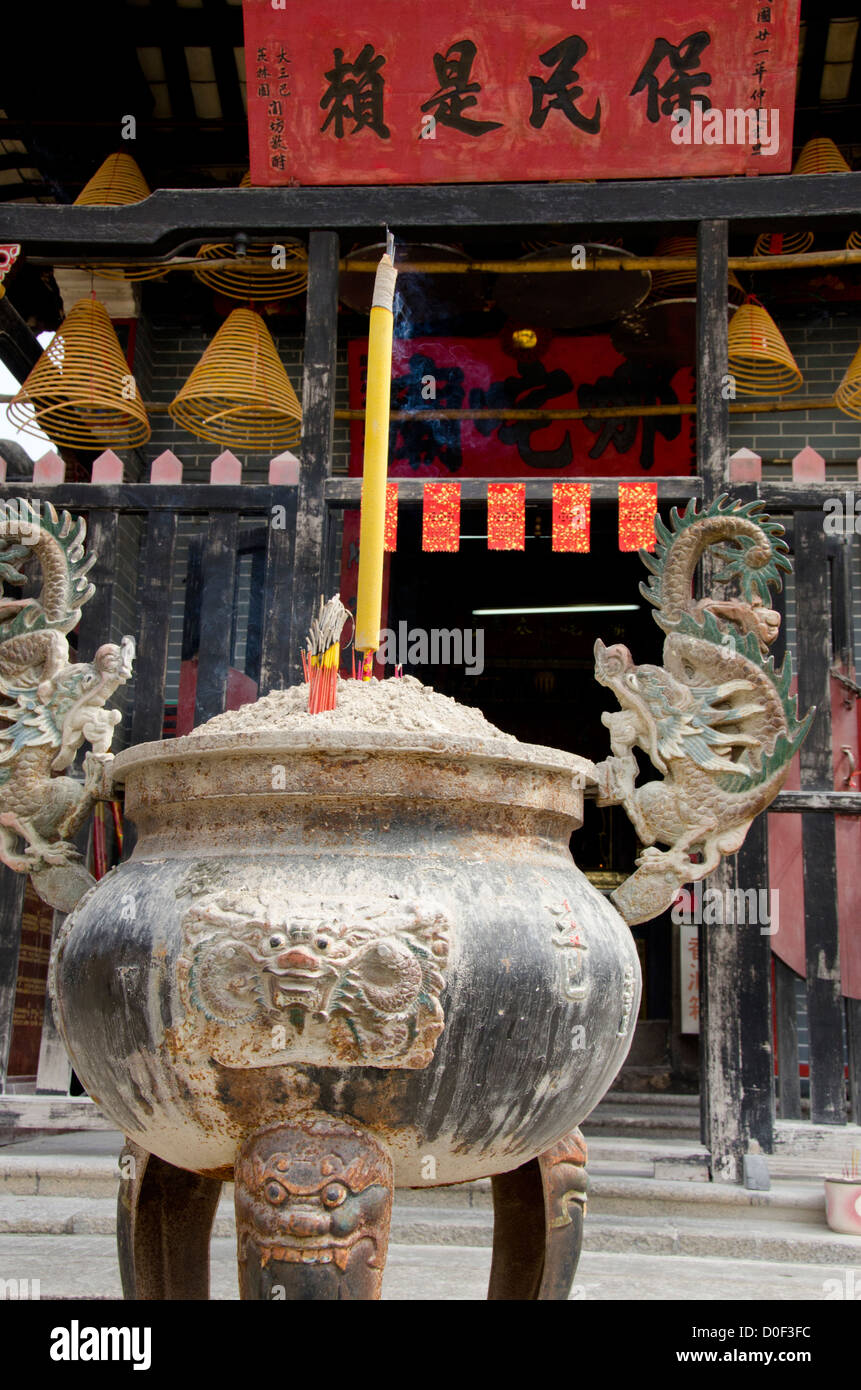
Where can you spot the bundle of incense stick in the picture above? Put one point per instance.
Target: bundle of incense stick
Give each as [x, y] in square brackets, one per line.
[323, 656]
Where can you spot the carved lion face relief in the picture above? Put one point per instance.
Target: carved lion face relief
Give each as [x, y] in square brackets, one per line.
[359, 981]
[310, 1192]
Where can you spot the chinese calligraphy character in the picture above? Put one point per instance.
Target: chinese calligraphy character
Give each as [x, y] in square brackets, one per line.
[630, 384]
[421, 441]
[561, 87]
[534, 387]
[456, 92]
[677, 89]
[355, 92]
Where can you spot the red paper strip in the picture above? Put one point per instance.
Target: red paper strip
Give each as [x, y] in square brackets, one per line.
[571, 516]
[638, 507]
[506, 516]
[441, 516]
[391, 523]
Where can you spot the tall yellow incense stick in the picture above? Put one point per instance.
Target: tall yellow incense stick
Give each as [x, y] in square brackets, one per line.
[376, 466]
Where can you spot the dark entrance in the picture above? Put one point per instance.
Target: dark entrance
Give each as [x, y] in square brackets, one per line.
[537, 681]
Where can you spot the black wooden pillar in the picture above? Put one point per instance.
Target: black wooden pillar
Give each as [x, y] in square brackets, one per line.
[216, 610]
[318, 407]
[12, 887]
[154, 595]
[276, 668]
[712, 354]
[824, 1000]
[20, 349]
[736, 1097]
[94, 628]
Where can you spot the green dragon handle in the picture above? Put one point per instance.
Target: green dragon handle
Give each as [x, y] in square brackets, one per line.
[717, 720]
[49, 706]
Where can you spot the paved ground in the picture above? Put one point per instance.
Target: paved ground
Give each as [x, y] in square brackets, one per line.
[86, 1267]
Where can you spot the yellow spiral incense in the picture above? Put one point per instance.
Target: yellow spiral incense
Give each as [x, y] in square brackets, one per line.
[376, 465]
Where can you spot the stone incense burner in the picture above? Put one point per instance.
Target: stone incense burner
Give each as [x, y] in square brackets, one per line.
[351, 950]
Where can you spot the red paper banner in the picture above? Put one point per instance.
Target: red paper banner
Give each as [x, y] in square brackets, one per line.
[390, 520]
[463, 91]
[638, 507]
[441, 516]
[431, 374]
[506, 516]
[572, 515]
[390, 542]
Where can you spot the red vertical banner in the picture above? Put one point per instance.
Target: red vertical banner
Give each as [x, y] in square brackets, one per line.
[441, 516]
[506, 516]
[572, 515]
[390, 524]
[638, 507]
[390, 542]
[350, 583]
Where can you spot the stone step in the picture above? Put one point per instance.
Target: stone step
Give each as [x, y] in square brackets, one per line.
[96, 1174]
[642, 1156]
[778, 1240]
[85, 1267]
[656, 1100]
[648, 1119]
[647, 1215]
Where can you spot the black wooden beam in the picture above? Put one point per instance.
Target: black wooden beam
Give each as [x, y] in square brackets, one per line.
[786, 1008]
[853, 1048]
[245, 499]
[12, 887]
[318, 419]
[812, 60]
[19, 347]
[222, 43]
[712, 351]
[347, 492]
[170, 216]
[194, 28]
[94, 628]
[726, 951]
[753, 1008]
[832, 803]
[173, 57]
[216, 606]
[276, 666]
[824, 999]
[154, 601]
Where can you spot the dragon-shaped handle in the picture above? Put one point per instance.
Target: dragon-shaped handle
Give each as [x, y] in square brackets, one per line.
[717, 720]
[50, 707]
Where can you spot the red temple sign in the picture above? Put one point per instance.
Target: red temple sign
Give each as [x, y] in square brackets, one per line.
[405, 91]
[435, 374]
